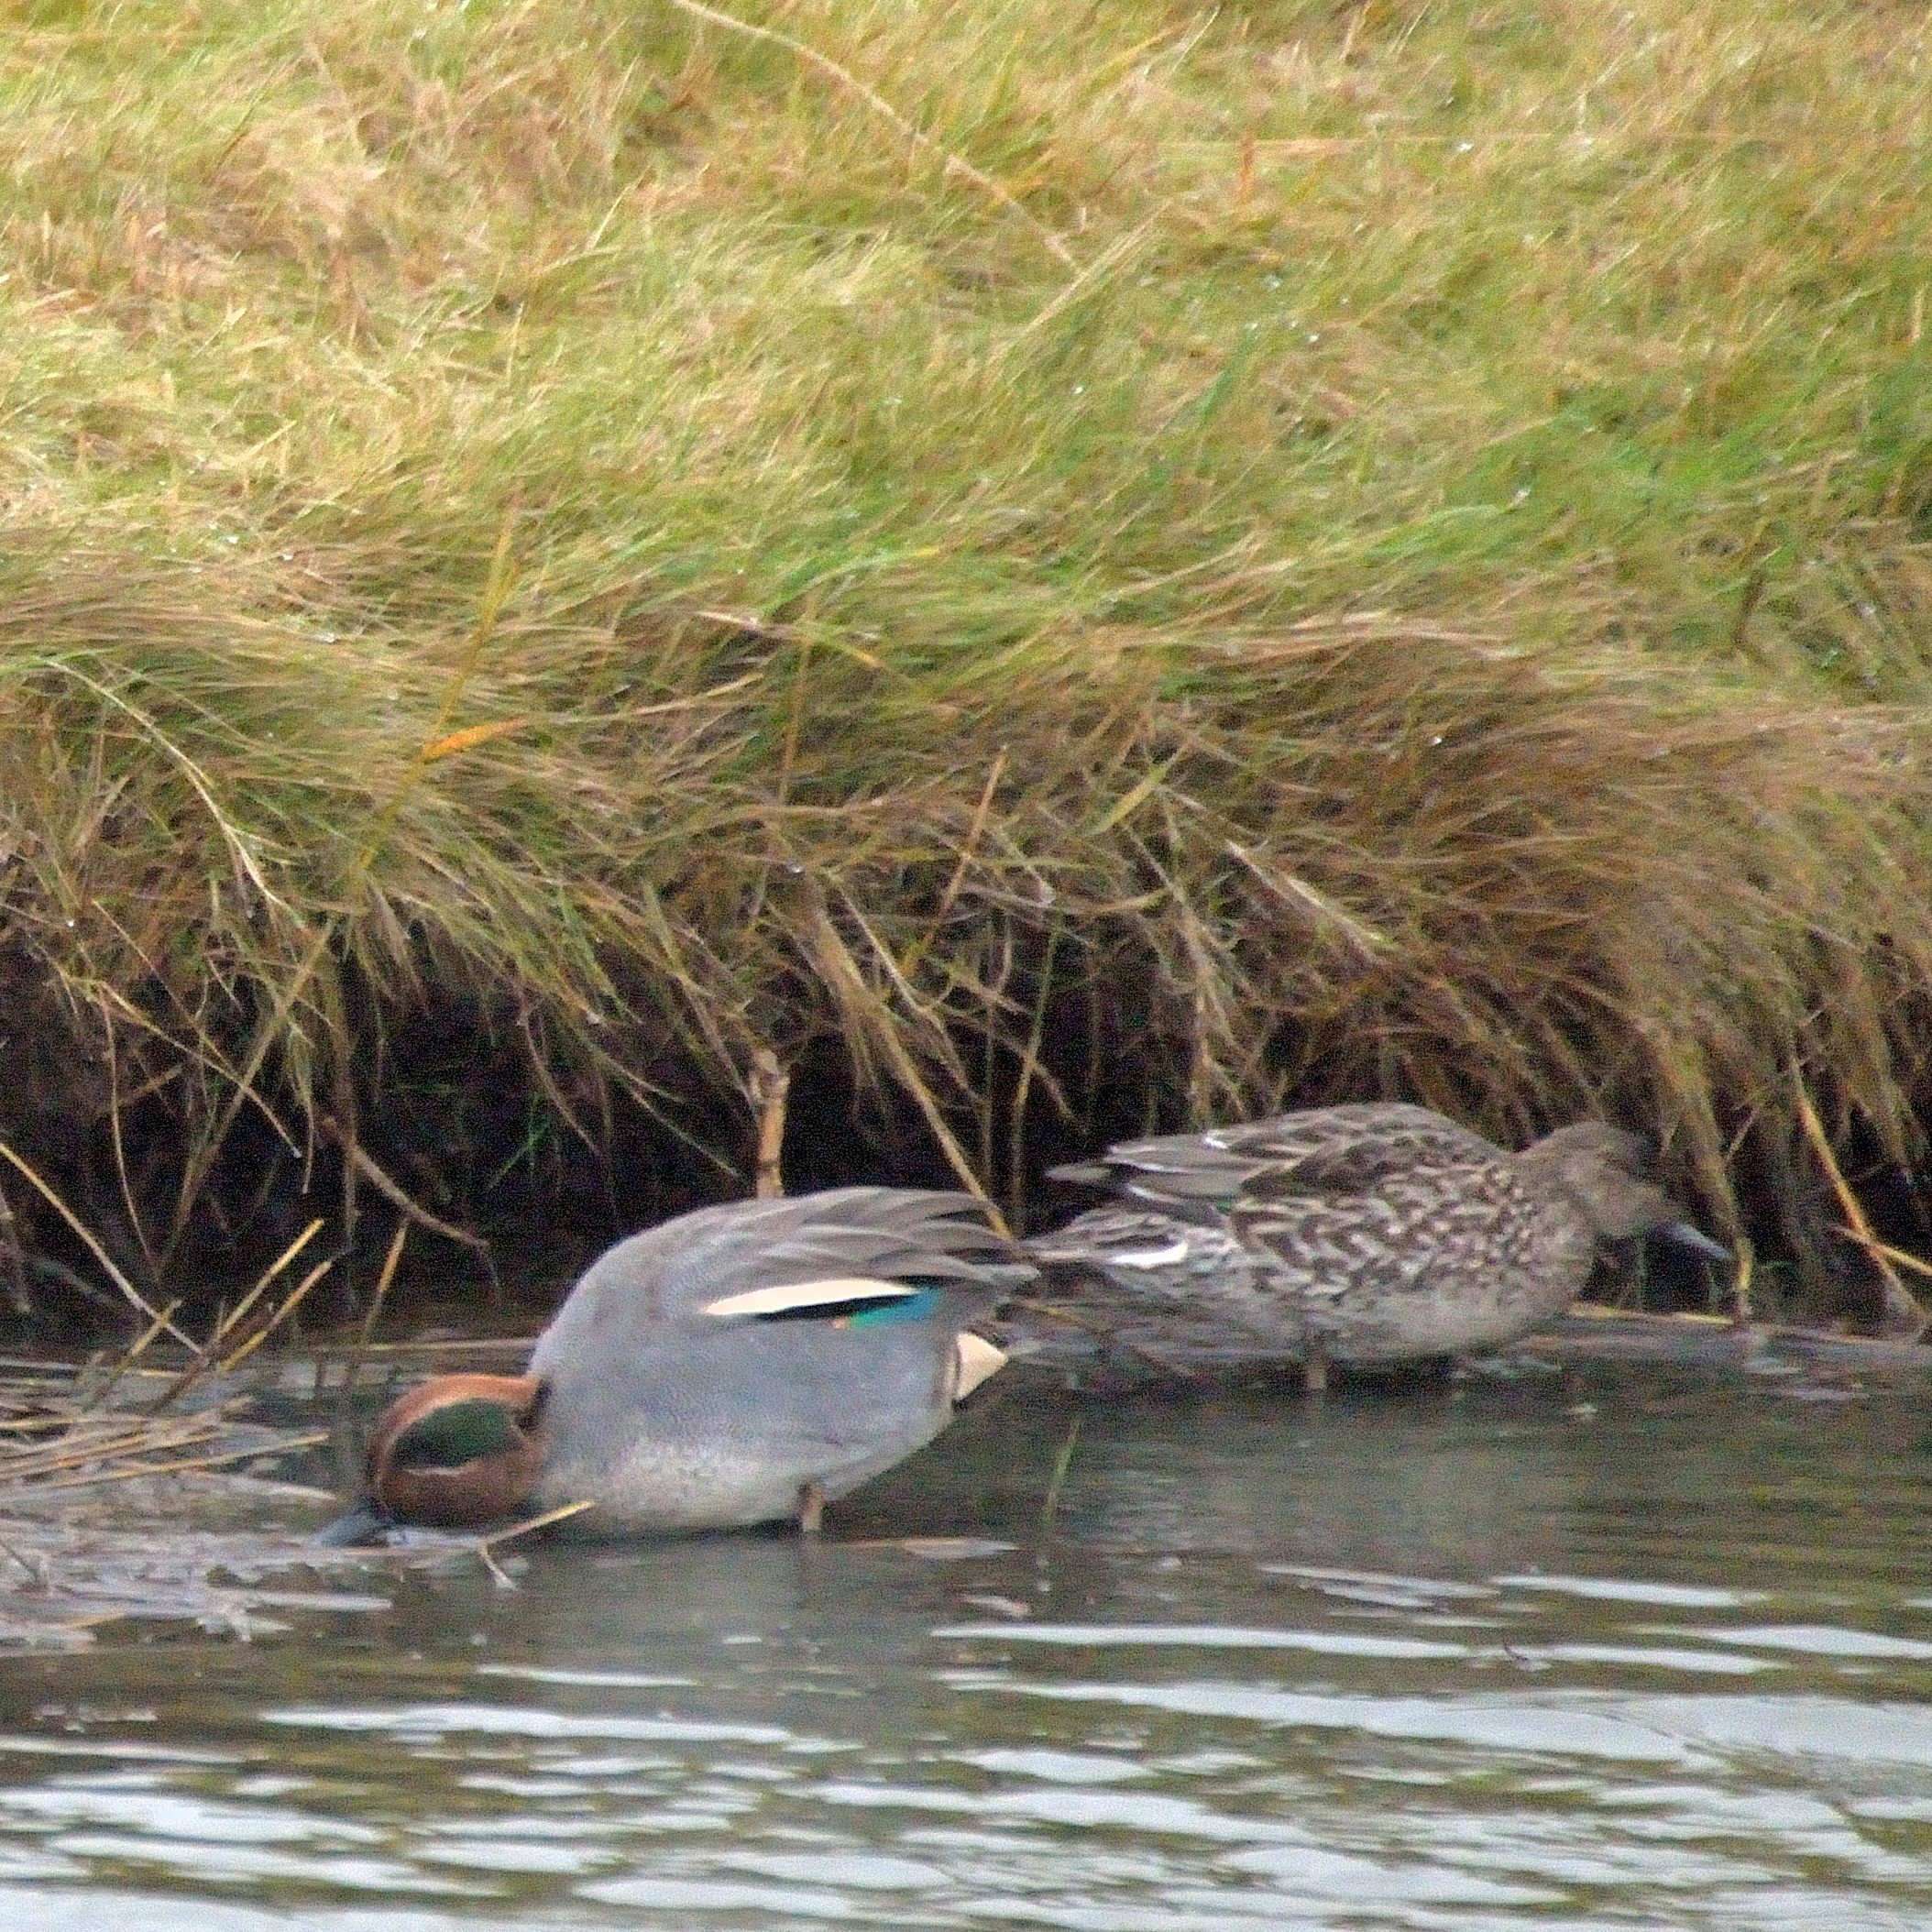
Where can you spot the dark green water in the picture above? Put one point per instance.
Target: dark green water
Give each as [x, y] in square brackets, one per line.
[1614, 1648]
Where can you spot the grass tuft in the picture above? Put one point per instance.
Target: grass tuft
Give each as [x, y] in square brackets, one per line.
[1098, 564]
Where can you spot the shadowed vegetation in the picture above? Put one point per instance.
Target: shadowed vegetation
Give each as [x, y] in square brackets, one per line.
[1066, 568]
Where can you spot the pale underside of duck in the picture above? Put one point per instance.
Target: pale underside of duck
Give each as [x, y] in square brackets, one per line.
[1366, 1234]
[737, 1365]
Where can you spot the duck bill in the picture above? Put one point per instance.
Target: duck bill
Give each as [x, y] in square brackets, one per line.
[365, 1523]
[1681, 1234]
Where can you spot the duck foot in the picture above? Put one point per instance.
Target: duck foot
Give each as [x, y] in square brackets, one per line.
[811, 1509]
[1314, 1370]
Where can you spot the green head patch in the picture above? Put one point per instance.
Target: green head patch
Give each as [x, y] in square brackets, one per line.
[469, 1430]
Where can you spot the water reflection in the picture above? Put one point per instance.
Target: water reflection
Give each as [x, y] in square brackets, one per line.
[1606, 1649]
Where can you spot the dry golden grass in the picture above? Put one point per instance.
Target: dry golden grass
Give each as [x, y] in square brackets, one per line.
[1105, 559]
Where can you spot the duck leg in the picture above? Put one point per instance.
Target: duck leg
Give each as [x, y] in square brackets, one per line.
[811, 1509]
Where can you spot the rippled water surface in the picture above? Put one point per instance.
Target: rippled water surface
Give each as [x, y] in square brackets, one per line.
[1613, 1648]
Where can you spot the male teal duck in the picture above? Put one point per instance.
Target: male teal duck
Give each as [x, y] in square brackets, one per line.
[740, 1364]
[1364, 1234]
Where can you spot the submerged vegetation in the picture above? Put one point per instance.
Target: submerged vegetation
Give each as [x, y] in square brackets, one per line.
[1057, 568]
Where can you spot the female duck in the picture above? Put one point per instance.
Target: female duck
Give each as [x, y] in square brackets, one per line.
[740, 1364]
[1368, 1235]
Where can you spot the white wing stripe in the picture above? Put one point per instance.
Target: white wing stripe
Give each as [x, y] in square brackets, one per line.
[808, 1294]
[1175, 1251]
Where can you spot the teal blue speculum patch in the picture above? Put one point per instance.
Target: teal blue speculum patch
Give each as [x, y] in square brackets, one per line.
[922, 1302]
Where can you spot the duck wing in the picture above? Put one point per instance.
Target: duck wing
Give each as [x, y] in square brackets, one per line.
[845, 1254]
[1321, 1152]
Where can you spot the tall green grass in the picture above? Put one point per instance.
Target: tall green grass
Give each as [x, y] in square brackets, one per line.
[1323, 550]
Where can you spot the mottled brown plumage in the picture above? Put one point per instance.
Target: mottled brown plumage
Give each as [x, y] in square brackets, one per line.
[1371, 1235]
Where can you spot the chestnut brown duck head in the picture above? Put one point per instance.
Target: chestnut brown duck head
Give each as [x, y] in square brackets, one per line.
[458, 1453]
[736, 1366]
[1372, 1233]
